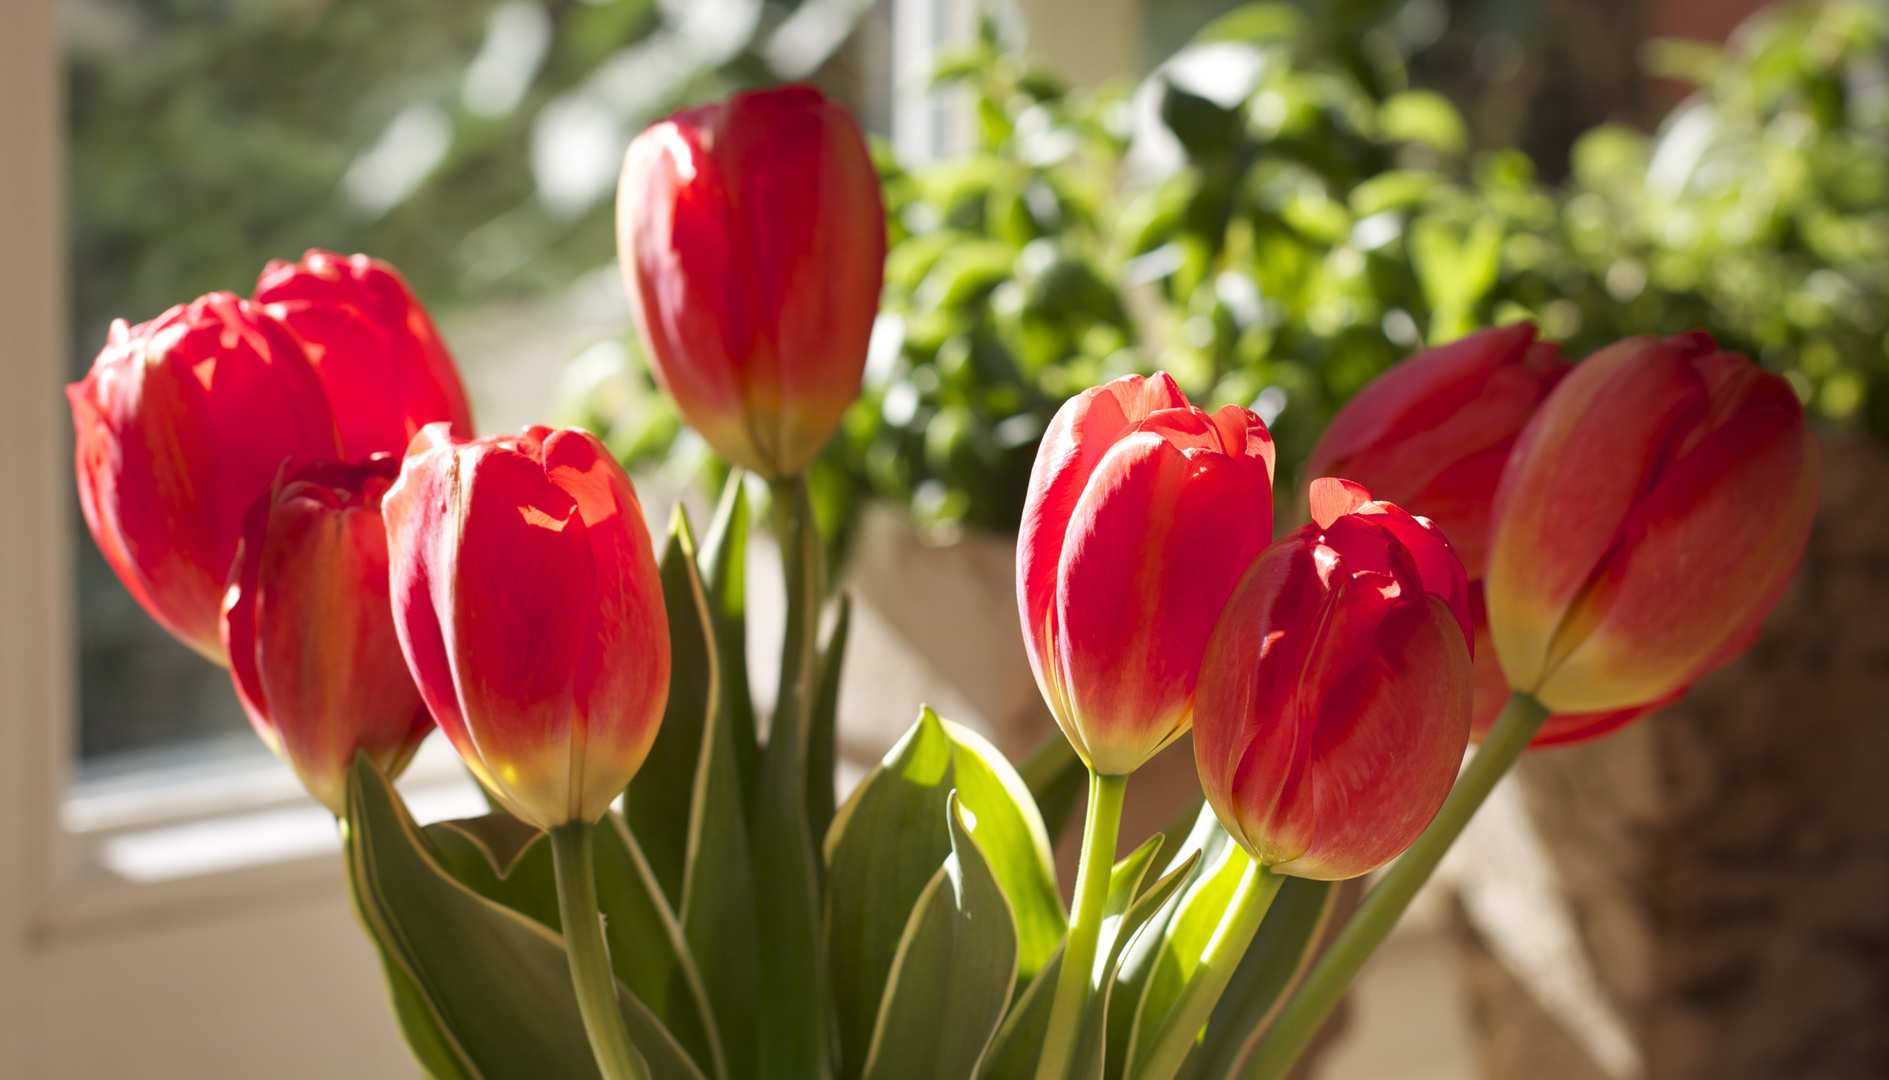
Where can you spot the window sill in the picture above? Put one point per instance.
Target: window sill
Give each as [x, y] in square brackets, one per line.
[198, 836]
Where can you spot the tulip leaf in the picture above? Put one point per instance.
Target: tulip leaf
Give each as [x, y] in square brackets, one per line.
[1275, 962]
[1176, 955]
[1012, 837]
[1018, 1043]
[499, 857]
[821, 741]
[657, 802]
[502, 859]
[724, 567]
[435, 1051]
[717, 892]
[647, 947]
[884, 848]
[1194, 832]
[953, 973]
[792, 1025]
[495, 983]
[1126, 911]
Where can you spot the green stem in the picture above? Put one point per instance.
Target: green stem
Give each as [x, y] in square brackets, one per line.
[792, 1029]
[1181, 1027]
[1280, 1049]
[1099, 832]
[591, 974]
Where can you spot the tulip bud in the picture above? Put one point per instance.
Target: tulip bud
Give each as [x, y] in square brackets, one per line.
[310, 632]
[752, 240]
[1651, 514]
[1142, 514]
[527, 602]
[1431, 435]
[386, 370]
[181, 425]
[1335, 693]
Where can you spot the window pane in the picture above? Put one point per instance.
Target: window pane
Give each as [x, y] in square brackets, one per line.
[473, 145]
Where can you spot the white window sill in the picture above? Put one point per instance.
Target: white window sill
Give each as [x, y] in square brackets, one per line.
[189, 836]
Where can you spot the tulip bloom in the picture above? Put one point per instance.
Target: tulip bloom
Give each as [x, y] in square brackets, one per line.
[386, 370]
[181, 425]
[310, 632]
[1335, 694]
[1142, 514]
[752, 240]
[1651, 514]
[527, 602]
[1431, 435]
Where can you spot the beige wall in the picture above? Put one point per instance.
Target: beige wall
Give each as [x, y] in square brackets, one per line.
[35, 639]
[1086, 40]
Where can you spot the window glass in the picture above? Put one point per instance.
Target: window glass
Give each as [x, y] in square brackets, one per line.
[473, 145]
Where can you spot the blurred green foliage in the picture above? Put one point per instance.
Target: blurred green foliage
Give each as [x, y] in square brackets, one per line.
[474, 145]
[1278, 214]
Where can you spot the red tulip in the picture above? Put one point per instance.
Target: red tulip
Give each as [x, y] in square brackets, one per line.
[1142, 514]
[752, 240]
[310, 632]
[1432, 435]
[181, 425]
[387, 372]
[1651, 514]
[1335, 694]
[528, 606]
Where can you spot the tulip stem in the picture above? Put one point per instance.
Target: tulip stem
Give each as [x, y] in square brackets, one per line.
[1181, 1027]
[1100, 829]
[1306, 1012]
[591, 974]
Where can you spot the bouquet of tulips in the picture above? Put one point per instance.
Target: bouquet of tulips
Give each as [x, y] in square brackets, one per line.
[1501, 548]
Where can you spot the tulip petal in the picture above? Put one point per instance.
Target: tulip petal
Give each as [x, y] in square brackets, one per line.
[1702, 558]
[1387, 743]
[1155, 546]
[622, 678]
[385, 368]
[1078, 437]
[1572, 479]
[521, 613]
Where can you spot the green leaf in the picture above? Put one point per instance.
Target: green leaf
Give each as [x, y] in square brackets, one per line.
[953, 973]
[1193, 832]
[435, 1052]
[495, 983]
[1057, 779]
[821, 743]
[794, 1040]
[1177, 953]
[1127, 910]
[717, 909]
[963, 273]
[1423, 116]
[647, 948]
[1255, 22]
[1274, 964]
[884, 848]
[1393, 190]
[499, 857]
[1012, 837]
[657, 802]
[724, 567]
[1018, 1043]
